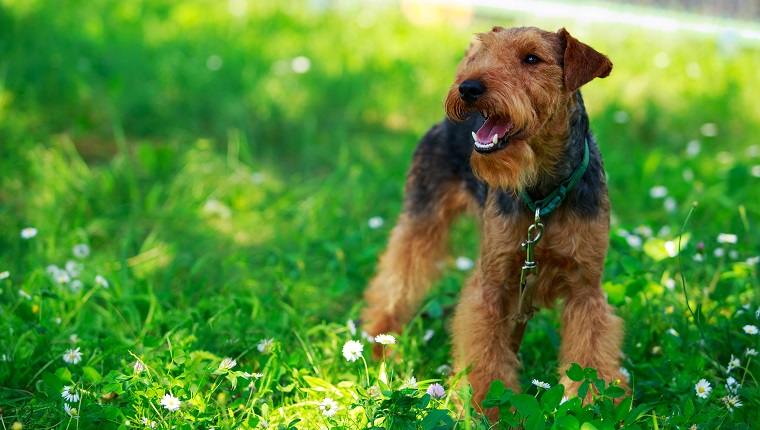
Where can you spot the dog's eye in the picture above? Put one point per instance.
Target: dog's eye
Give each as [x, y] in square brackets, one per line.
[531, 59]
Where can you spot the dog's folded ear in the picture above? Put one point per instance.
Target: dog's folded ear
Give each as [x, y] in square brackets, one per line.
[581, 62]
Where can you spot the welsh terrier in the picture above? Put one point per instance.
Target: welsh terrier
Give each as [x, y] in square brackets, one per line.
[517, 132]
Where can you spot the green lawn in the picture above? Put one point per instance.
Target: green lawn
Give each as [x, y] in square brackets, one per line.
[222, 168]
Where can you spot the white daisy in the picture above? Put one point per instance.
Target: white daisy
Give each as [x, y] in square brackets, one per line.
[366, 336]
[81, 251]
[227, 364]
[727, 238]
[51, 270]
[76, 286]
[62, 277]
[643, 230]
[100, 280]
[375, 222]
[74, 268]
[70, 394]
[658, 192]
[443, 369]
[670, 204]
[72, 356]
[374, 391]
[170, 402]
[70, 411]
[73, 338]
[750, 352]
[733, 363]
[709, 129]
[217, 208]
[664, 231]
[328, 407]
[4, 275]
[540, 384]
[622, 232]
[300, 64]
[750, 329]
[28, 233]
[464, 263]
[385, 339]
[626, 374]
[410, 382]
[732, 402]
[265, 345]
[702, 388]
[429, 333]
[352, 350]
[732, 385]
[671, 248]
[351, 327]
[693, 148]
[634, 241]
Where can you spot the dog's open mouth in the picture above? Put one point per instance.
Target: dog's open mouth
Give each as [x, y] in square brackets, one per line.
[493, 135]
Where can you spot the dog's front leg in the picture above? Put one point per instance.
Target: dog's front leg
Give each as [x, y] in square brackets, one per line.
[591, 337]
[482, 329]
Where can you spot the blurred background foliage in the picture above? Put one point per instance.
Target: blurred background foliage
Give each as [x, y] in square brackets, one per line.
[120, 121]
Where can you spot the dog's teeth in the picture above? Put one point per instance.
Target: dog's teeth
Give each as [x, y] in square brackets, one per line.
[474, 136]
[495, 138]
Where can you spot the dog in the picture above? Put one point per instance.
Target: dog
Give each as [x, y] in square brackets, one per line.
[516, 132]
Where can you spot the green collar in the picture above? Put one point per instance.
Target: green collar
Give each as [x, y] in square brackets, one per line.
[549, 203]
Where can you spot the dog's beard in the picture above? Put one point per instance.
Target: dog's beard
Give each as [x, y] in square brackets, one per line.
[512, 167]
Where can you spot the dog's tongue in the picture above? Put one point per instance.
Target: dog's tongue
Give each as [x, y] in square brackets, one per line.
[494, 126]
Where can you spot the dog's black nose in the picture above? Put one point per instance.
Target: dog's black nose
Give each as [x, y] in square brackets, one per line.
[471, 90]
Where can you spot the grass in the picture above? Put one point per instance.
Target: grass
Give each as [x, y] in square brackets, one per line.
[225, 196]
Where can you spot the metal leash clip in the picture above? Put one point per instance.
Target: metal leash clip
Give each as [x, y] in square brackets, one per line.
[526, 309]
[531, 266]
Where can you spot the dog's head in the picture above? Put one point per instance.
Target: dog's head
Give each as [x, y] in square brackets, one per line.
[522, 81]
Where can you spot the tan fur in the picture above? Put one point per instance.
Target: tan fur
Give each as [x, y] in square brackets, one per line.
[539, 100]
[409, 265]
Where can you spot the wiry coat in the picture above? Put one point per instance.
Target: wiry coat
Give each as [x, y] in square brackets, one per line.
[540, 107]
